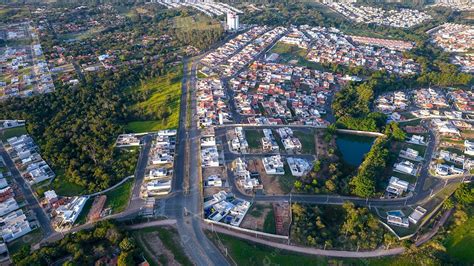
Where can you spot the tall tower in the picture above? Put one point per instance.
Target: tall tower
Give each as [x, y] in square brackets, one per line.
[232, 21]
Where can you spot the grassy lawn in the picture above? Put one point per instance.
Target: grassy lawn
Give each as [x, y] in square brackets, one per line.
[65, 188]
[269, 225]
[254, 138]
[289, 52]
[307, 141]
[117, 199]
[31, 238]
[247, 253]
[12, 132]
[161, 91]
[460, 241]
[287, 180]
[170, 239]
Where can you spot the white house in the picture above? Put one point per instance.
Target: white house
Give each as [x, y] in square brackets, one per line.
[273, 165]
[397, 186]
[417, 214]
[406, 167]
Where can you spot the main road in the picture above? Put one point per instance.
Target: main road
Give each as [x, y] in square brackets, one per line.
[185, 205]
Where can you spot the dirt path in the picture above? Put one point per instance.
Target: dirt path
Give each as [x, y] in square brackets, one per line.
[311, 251]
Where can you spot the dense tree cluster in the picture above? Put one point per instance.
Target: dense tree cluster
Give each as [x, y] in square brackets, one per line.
[84, 248]
[347, 227]
[351, 107]
[364, 183]
[75, 127]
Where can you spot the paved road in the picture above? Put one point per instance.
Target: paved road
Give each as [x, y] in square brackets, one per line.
[201, 250]
[152, 224]
[135, 201]
[33, 204]
[307, 250]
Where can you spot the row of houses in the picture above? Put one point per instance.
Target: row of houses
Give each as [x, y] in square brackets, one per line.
[250, 52]
[239, 142]
[224, 52]
[398, 18]
[282, 94]
[329, 45]
[160, 164]
[210, 8]
[209, 151]
[212, 108]
[23, 152]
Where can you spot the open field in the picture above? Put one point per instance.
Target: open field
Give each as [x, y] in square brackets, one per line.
[460, 241]
[254, 138]
[307, 140]
[12, 132]
[163, 95]
[161, 246]
[65, 188]
[247, 253]
[117, 199]
[289, 53]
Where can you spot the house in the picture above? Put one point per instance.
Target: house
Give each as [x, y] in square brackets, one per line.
[417, 214]
[469, 147]
[417, 139]
[50, 196]
[68, 213]
[156, 173]
[298, 166]
[397, 186]
[273, 165]
[13, 226]
[397, 218]
[406, 167]
[214, 181]
[8, 206]
[210, 157]
[442, 169]
[410, 154]
[158, 187]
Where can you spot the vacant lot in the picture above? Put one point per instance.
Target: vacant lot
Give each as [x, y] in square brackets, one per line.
[12, 132]
[117, 199]
[161, 106]
[161, 246]
[460, 241]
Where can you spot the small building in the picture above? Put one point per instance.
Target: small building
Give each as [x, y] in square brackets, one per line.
[273, 165]
[417, 214]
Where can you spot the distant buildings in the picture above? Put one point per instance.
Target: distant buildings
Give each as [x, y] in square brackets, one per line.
[400, 18]
[232, 21]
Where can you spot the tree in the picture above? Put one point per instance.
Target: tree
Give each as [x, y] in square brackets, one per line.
[465, 194]
[127, 244]
[125, 259]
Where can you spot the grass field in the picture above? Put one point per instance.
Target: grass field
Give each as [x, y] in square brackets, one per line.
[12, 132]
[65, 188]
[117, 199]
[460, 241]
[161, 91]
[269, 225]
[307, 141]
[170, 239]
[247, 253]
[289, 52]
[254, 138]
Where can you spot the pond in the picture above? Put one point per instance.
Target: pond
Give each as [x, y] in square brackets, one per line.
[353, 147]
